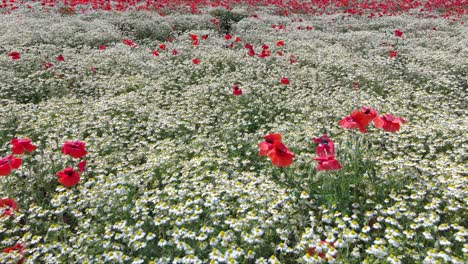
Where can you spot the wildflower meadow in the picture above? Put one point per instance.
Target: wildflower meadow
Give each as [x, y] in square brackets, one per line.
[233, 131]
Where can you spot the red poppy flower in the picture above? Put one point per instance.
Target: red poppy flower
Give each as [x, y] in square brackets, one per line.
[265, 146]
[68, 177]
[8, 164]
[48, 65]
[327, 163]
[82, 166]
[76, 149]
[398, 33]
[279, 52]
[309, 28]
[265, 46]
[196, 61]
[162, 46]
[168, 40]
[193, 36]
[280, 155]
[312, 251]
[251, 53]
[155, 53]
[359, 119]
[129, 43]
[389, 123]
[195, 42]
[284, 80]
[18, 247]
[392, 53]
[325, 147]
[60, 57]
[204, 37]
[236, 90]
[14, 55]
[280, 43]
[265, 53]
[7, 205]
[248, 46]
[227, 37]
[174, 52]
[237, 39]
[102, 47]
[292, 59]
[22, 145]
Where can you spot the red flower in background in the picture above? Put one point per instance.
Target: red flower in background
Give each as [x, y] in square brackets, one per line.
[237, 39]
[102, 47]
[280, 43]
[195, 42]
[60, 57]
[155, 53]
[48, 65]
[7, 205]
[129, 43]
[325, 147]
[82, 166]
[204, 37]
[76, 149]
[227, 37]
[280, 155]
[22, 145]
[392, 53]
[327, 163]
[284, 80]
[312, 251]
[174, 52]
[389, 123]
[162, 46]
[14, 55]
[68, 177]
[292, 59]
[236, 90]
[193, 36]
[196, 61]
[359, 119]
[8, 164]
[398, 33]
[265, 146]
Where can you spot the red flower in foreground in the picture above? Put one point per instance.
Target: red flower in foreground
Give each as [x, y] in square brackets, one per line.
[8, 164]
[398, 33]
[68, 177]
[196, 61]
[22, 145]
[60, 57]
[102, 47]
[359, 119]
[236, 90]
[280, 43]
[327, 163]
[16, 249]
[7, 205]
[325, 147]
[392, 53]
[280, 155]
[267, 145]
[284, 80]
[389, 123]
[82, 166]
[129, 43]
[76, 149]
[14, 55]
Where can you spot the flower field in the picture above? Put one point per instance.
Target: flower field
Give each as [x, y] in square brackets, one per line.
[233, 131]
